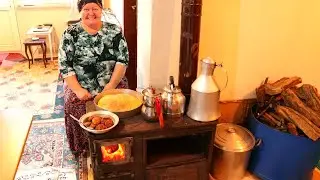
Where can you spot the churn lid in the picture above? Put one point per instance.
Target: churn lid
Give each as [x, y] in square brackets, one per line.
[234, 138]
[208, 60]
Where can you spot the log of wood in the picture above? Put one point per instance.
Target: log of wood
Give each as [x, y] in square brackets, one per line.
[277, 117]
[292, 129]
[292, 100]
[281, 85]
[310, 96]
[270, 104]
[312, 131]
[261, 94]
[271, 120]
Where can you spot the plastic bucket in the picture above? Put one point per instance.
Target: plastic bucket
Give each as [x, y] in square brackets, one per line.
[281, 156]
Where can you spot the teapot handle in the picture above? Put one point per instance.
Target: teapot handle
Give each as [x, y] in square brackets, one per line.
[226, 73]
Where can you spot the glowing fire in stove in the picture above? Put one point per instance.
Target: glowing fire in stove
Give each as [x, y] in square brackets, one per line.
[112, 153]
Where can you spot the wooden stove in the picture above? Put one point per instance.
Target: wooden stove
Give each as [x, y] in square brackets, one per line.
[138, 150]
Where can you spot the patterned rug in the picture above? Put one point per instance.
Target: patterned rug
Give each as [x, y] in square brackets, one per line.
[47, 153]
[32, 88]
[10, 59]
[3, 56]
[58, 106]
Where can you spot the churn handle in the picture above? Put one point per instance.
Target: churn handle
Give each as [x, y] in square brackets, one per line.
[225, 71]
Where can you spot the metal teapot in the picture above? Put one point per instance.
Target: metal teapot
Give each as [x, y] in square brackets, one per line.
[173, 101]
[205, 93]
[151, 109]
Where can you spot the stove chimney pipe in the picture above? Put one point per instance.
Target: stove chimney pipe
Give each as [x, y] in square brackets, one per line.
[189, 45]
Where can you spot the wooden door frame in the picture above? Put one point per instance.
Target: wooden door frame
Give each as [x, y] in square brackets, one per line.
[130, 33]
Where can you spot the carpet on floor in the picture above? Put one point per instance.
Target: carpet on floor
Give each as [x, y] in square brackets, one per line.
[58, 107]
[3, 57]
[34, 89]
[15, 57]
[10, 59]
[47, 154]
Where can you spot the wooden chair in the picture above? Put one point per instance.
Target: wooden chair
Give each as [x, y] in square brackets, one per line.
[28, 43]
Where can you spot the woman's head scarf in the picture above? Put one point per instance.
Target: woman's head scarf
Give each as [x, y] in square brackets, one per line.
[82, 3]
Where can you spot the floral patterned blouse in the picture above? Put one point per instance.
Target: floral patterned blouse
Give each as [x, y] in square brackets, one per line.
[92, 58]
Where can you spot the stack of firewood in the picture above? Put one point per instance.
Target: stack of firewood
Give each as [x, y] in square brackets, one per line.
[289, 106]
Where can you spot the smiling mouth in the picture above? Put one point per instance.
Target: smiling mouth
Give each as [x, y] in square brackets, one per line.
[91, 18]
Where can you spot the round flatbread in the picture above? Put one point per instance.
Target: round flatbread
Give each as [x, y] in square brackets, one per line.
[119, 102]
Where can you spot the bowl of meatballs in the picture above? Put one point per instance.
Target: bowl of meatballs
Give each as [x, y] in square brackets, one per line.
[99, 122]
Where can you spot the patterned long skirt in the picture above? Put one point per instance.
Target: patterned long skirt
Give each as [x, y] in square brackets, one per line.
[72, 105]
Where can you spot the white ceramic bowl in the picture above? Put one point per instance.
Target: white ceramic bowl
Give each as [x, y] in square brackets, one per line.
[113, 116]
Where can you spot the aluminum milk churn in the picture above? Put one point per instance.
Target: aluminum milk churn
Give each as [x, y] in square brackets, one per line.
[205, 93]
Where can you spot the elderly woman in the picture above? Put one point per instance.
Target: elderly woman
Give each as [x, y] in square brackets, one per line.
[93, 57]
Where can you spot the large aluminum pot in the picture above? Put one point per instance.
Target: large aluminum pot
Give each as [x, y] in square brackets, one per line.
[232, 149]
[122, 114]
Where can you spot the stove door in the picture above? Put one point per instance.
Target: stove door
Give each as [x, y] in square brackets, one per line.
[113, 151]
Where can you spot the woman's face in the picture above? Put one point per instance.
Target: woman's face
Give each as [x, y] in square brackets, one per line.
[91, 14]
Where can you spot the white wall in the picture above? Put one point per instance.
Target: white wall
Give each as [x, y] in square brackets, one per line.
[144, 32]
[158, 42]
[117, 8]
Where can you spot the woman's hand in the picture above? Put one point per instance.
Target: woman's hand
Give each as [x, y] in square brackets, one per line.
[109, 86]
[118, 73]
[83, 94]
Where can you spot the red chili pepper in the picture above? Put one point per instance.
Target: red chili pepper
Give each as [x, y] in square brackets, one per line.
[159, 111]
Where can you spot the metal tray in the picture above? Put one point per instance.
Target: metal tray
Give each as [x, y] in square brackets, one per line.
[122, 114]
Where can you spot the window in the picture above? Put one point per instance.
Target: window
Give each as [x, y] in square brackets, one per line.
[4, 3]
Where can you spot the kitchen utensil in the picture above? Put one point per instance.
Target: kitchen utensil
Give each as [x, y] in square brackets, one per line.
[74, 118]
[122, 114]
[232, 149]
[173, 100]
[205, 93]
[149, 96]
[113, 116]
[152, 108]
[149, 113]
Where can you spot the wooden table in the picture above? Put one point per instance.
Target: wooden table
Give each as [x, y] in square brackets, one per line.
[29, 43]
[34, 32]
[14, 128]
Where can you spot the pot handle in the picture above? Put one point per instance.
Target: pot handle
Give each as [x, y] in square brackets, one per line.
[226, 73]
[258, 143]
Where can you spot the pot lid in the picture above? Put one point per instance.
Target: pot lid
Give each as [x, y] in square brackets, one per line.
[151, 92]
[234, 138]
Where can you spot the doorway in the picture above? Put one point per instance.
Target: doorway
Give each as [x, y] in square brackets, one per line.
[10, 39]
